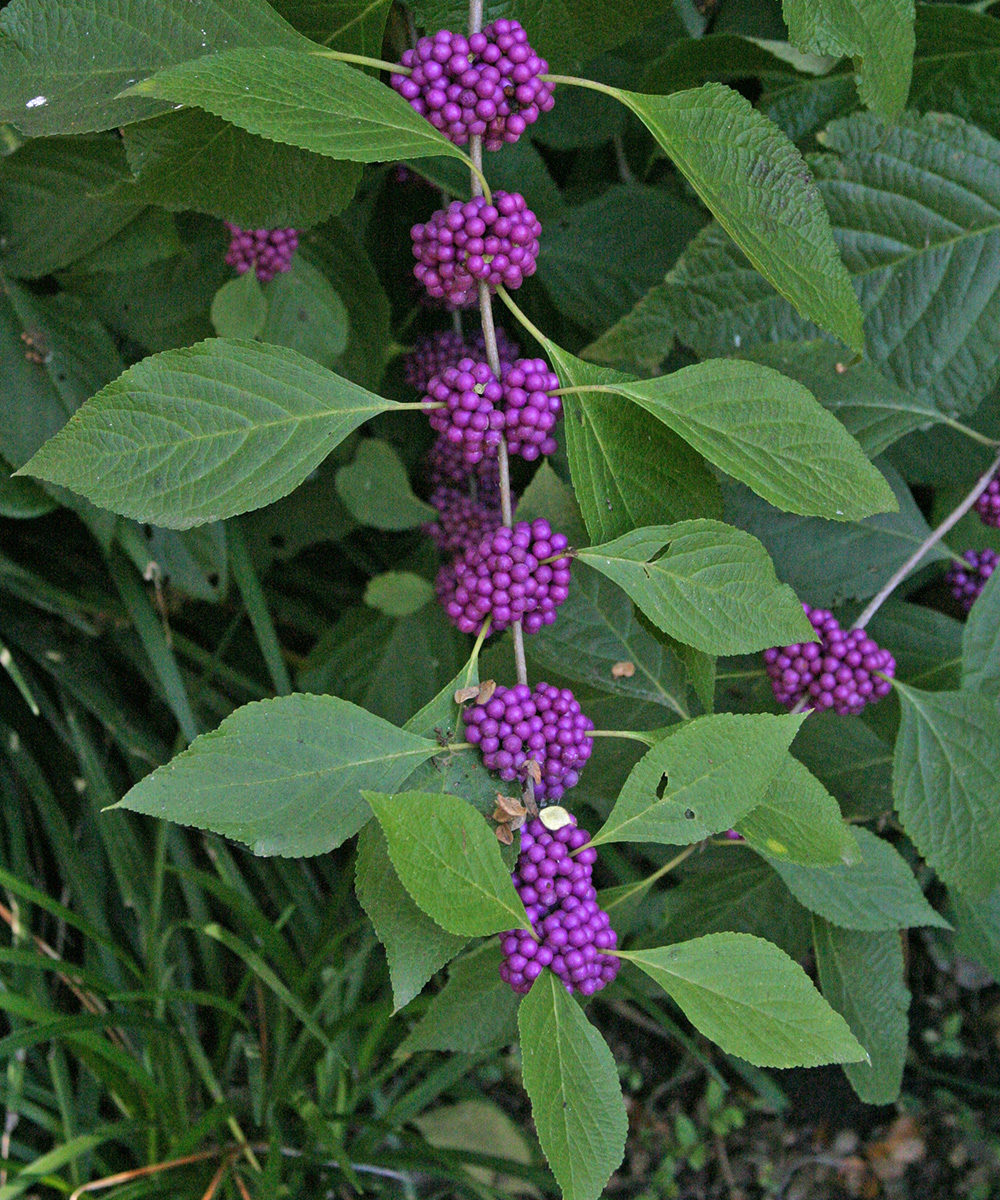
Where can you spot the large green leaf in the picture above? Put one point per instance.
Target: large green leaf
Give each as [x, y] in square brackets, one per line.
[977, 929]
[851, 760]
[981, 642]
[284, 775]
[59, 199]
[768, 432]
[306, 314]
[356, 26]
[572, 1081]
[946, 780]
[798, 821]
[877, 891]
[704, 583]
[474, 1012]
[63, 63]
[877, 34]
[595, 632]
[375, 489]
[204, 433]
[956, 63]
[448, 859]
[751, 999]
[415, 946]
[862, 977]
[304, 100]
[828, 562]
[760, 190]
[700, 779]
[192, 160]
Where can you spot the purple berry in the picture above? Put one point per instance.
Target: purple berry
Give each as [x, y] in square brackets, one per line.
[967, 582]
[545, 725]
[484, 86]
[838, 672]
[463, 522]
[505, 578]
[433, 356]
[988, 504]
[529, 410]
[507, 348]
[471, 417]
[571, 932]
[448, 466]
[467, 242]
[268, 251]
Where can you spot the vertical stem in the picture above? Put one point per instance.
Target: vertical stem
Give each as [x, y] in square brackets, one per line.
[493, 359]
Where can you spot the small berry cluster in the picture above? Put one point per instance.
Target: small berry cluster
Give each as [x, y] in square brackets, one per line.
[433, 355]
[838, 672]
[471, 416]
[572, 934]
[486, 85]
[463, 520]
[530, 408]
[268, 251]
[473, 242]
[504, 579]
[968, 581]
[520, 725]
[447, 466]
[988, 504]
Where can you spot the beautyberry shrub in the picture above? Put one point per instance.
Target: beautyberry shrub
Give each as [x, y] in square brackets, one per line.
[471, 418]
[530, 411]
[968, 581]
[268, 251]
[988, 504]
[463, 520]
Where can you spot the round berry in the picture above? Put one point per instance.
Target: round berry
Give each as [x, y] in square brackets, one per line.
[476, 241]
[530, 411]
[470, 417]
[463, 521]
[968, 581]
[448, 466]
[506, 579]
[507, 348]
[267, 251]
[838, 672]
[432, 356]
[988, 504]
[519, 725]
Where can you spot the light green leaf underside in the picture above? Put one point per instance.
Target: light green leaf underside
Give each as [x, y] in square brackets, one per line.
[284, 775]
[981, 642]
[375, 489]
[572, 1081]
[751, 999]
[204, 432]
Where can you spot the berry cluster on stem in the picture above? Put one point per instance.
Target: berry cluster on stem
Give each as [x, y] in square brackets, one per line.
[266, 251]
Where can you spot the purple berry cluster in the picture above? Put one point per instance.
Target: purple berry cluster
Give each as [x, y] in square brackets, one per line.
[572, 934]
[505, 579]
[836, 672]
[268, 251]
[447, 466]
[529, 408]
[485, 85]
[476, 241]
[988, 504]
[433, 355]
[463, 520]
[544, 725]
[968, 581]
[471, 417]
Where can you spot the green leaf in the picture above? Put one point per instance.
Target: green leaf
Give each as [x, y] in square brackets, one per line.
[700, 779]
[20, 498]
[597, 630]
[204, 433]
[704, 583]
[926, 644]
[398, 593]
[873, 409]
[827, 562]
[549, 497]
[151, 238]
[798, 821]
[877, 34]
[981, 642]
[375, 489]
[356, 26]
[63, 63]
[849, 759]
[239, 309]
[956, 63]
[946, 778]
[760, 190]
[190, 160]
[415, 946]
[751, 999]
[862, 977]
[304, 100]
[284, 775]
[581, 264]
[753, 423]
[977, 929]
[305, 314]
[875, 892]
[449, 861]
[474, 1012]
[572, 1081]
[59, 199]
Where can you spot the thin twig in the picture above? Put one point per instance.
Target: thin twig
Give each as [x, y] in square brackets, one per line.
[98, 1185]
